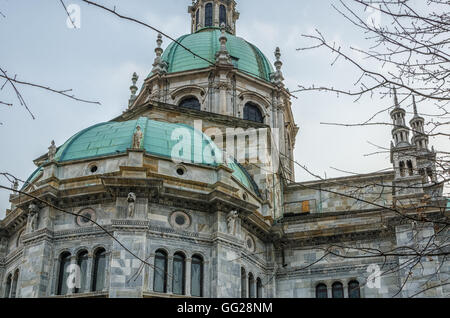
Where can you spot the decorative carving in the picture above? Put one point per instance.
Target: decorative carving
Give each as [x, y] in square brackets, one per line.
[159, 65]
[133, 89]
[223, 56]
[137, 138]
[32, 221]
[131, 204]
[15, 185]
[231, 222]
[52, 151]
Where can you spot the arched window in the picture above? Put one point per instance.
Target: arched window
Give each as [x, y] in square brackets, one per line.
[410, 167]
[222, 15]
[243, 283]
[197, 18]
[160, 274]
[14, 284]
[82, 261]
[98, 278]
[321, 291]
[190, 102]
[64, 262]
[259, 288]
[208, 14]
[252, 113]
[8, 286]
[402, 168]
[179, 276]
[353, 289]
[338, 290]
[251, 286]
[197, 276]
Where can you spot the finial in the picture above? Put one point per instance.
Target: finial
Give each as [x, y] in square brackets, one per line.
[416, 114]
[396, 98]
[159, 65]
[222, 56]
[159, 40]
[133, 89]
[223, 38]
[278, 53]
[277, 77]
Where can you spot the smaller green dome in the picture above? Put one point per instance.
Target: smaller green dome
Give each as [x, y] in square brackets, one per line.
[205, 43]
[159, 139]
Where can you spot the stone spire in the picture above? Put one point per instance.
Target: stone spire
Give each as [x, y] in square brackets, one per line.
[159, 65]
[420, 139]
[277, 76]
[396, 103]
[133, 89]
[400, 133]
[222, 56]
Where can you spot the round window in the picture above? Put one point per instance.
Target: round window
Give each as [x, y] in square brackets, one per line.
[180, 220]
[181, 171]
[250, 243]
[85, 217]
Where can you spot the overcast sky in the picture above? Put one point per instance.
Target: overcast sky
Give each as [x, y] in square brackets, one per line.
[97, 62]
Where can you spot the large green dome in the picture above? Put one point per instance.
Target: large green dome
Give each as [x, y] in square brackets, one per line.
[112, 138]
[246, 57]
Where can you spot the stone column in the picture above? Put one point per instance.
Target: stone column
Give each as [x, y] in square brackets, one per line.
[88, 282]
[169, 274]
[73, 261]
[188, 276]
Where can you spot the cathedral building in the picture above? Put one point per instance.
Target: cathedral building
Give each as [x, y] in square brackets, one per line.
[191, 192]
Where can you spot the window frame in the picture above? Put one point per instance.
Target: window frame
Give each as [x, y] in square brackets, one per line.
[181, 260]
[243, 283]
[99, 253]
[209, 14]
[189, 100]
[223, 15]
[354, 289]
[253, 113]
[198, 260]
[82, 256]
[337, 287]
[161, 255]
[321, 288]
[62, 270]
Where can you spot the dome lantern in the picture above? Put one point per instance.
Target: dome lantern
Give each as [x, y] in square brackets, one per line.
[207, 14]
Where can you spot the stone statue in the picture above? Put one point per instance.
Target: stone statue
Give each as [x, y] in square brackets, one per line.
[131, 204]
[33, 215]
[52, 151]
[15, 185]
[137, 138]
[231, 222]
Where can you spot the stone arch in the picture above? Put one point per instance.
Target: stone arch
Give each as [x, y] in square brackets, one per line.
[189, 90]
[256, 99]
[162, 249]
[98, 247]
[80, 249]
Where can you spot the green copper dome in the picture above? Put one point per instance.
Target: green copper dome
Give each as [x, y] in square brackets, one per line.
[246, 57]
[178, 141]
